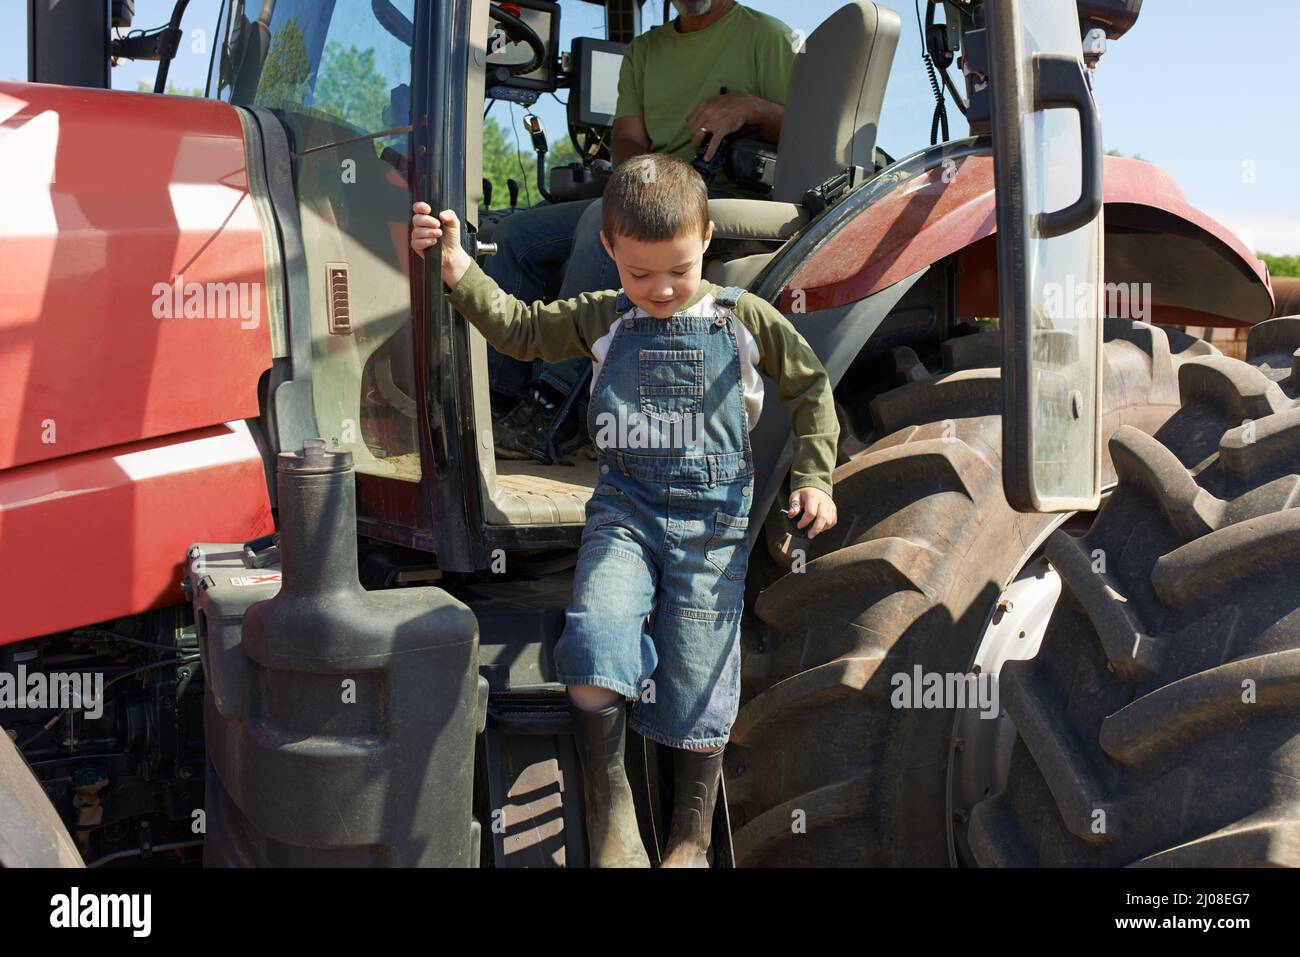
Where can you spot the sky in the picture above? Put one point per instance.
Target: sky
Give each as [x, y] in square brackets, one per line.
[1199, 87]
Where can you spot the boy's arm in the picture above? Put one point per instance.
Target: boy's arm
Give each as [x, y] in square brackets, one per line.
[551, 331]
[803, 388]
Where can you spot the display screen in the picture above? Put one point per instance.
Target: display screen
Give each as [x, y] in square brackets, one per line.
[603, 91]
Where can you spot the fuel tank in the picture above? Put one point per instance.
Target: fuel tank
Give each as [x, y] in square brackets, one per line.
[340, 723]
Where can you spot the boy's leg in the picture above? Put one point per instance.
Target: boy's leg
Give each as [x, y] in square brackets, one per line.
[697, 695]
[602, 654]
[696, 634]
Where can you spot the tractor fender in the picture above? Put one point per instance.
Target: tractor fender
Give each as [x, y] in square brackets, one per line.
[941, 202]
[31, 833]
[838, 280]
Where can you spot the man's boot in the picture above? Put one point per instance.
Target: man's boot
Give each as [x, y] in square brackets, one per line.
[696, 775]
[613, 839]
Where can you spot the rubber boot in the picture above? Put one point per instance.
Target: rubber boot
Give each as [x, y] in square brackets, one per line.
[613, 838]
[696, 775]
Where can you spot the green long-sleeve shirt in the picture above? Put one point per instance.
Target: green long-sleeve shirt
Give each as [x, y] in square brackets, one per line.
[581, 326]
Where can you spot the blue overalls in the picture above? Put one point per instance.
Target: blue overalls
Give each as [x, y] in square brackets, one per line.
[666, 528]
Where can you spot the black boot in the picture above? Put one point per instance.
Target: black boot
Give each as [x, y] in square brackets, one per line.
[696, 775]
[613, 839]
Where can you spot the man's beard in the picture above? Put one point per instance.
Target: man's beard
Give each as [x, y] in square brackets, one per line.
[693, 8]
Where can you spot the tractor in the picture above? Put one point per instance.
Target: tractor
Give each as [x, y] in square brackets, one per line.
[1052, 627]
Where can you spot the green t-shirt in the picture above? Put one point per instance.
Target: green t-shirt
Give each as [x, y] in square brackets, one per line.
[667, 74]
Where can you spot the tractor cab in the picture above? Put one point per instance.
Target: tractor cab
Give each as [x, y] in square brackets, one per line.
[535, 51]
[832, 113]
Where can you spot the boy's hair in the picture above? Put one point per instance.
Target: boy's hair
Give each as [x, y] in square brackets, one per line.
[654, 197]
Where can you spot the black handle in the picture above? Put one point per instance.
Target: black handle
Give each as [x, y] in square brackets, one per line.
[1059, 82]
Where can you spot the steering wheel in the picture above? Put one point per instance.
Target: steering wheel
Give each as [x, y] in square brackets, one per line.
[519, 32]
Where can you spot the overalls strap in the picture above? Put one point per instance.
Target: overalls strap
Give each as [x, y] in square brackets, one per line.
[729, 297]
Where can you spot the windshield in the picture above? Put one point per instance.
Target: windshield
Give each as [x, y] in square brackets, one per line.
[337, 75]
[347, 62]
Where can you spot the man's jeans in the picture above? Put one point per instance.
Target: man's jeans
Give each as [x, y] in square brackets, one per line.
[532, 244]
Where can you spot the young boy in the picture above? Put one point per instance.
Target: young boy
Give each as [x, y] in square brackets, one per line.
[675, 391]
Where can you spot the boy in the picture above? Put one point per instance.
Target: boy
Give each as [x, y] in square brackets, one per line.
[675, 390]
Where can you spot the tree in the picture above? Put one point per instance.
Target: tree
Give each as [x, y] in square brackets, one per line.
[350, 88]
[283, 82]
[1281, 265]
[503, 161]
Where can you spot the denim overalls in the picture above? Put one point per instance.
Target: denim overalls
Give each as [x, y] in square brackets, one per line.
[666, 528]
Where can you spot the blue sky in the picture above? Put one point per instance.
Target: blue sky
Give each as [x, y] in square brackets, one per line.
[1202, 88]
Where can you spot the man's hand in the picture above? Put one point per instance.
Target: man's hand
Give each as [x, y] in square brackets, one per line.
[815, 506]
[722, 115]
[427, 231]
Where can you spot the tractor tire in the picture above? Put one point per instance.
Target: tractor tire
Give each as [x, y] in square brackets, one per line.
[821, 769]
[1159, 723]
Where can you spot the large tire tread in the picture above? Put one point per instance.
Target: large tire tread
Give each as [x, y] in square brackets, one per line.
[1159, 724]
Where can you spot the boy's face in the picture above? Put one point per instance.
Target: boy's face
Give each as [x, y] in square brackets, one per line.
[660, 277]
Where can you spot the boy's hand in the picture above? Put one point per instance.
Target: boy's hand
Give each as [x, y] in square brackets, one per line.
[814, 506]
[443, 231]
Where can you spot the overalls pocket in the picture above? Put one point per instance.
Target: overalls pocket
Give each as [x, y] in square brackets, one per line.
[607, 504]
[672, 382]
[727, 550]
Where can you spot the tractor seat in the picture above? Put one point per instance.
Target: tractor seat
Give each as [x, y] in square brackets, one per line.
[832, 113]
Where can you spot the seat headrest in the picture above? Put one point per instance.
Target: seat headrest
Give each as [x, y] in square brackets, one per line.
[836, 90]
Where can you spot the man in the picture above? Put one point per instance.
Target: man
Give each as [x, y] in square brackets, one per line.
[717, 67]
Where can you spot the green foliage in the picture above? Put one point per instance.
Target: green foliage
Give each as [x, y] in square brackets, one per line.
[144, 86]
[1136, 156]
[503, 161]
[350, 88]
[283, 82]
[1281, 265]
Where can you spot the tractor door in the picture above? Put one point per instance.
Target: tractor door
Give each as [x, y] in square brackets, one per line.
[1048, 166]
[330, 84]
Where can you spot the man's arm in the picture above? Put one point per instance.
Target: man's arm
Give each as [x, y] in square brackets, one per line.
[629, 136]
[629, 139]
[768, 116]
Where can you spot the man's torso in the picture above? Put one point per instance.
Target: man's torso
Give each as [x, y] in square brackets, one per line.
[680, 70]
